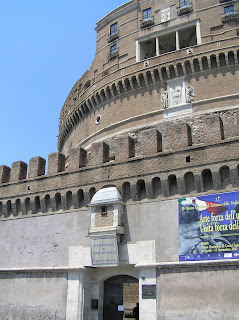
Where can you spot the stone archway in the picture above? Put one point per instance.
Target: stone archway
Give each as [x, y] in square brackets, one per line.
[121, 290]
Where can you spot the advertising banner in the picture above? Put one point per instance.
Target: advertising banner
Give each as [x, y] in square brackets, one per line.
[104, 252]
[209, 227]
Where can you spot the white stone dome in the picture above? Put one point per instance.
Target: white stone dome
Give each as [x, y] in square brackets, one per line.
[105, 196]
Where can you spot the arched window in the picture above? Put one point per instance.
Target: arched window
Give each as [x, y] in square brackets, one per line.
[80, 198]
[92, 191]
[172, 72]
[157, 188]
[207, 180]
[9, 208]
[196, 65]
[47, 200]
[205, 65]
[69, 201]
[180, 70]
[58, 201]
[225, 176]
[18, 207]
[231, 58]
[188, 67]
[37, 204]
[141, 190]
[28, 205]
[126, 191]
[173, 185]
[164, 73]
[213, 61]
[222, 59]
[189, 182]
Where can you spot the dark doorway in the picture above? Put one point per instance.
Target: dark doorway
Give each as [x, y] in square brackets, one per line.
[120, 290]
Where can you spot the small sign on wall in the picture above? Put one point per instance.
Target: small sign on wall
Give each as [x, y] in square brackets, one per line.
[104, 252]
[149, 291]
[165, 14]
[121, 308]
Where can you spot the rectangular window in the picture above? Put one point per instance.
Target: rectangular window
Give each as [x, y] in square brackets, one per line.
[147, 14]
[183, 3]
[113, 48]
[114, 29]
[228, 10]
[113, 51]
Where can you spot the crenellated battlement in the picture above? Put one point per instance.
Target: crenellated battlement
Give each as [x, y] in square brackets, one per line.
[180, 156]
[165, 137]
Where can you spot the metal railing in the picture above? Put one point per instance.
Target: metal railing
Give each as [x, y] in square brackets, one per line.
[185, 8]
[113, 36]
[113, 54]
[230, 15]
[147, 22]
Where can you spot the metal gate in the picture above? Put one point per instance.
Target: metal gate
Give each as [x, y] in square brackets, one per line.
[114, 296]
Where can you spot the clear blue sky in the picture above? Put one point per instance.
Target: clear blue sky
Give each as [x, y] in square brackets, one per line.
[46, 46]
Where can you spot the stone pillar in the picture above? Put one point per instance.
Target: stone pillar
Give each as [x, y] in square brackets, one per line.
[216, 179]
[4, 174]
[75, 296]
[198, 182]
[36, 167]
[147, 307]
[56, 163]
[177, 40]
[198, 33]
[181, 185]
[18, 171]
[157, 47]
[212, 129]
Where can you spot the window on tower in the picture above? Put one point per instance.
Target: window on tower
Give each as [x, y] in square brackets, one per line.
[114, 32]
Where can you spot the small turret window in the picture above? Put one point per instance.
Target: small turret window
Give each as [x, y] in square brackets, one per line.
[147, 14]
[183, 3]
[228, 10]
[114, 29]
[103, 210]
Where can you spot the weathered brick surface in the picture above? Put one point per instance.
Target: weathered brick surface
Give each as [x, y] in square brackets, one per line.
[56, 163]
[179, 136]
[124, 148]
[36, 167]
[151, 142]
[18, 171]
[77, 158]
[4, 174]
[212, 129]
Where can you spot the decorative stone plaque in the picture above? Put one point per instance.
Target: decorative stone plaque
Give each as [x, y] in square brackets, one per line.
[104, 252]
[149, 291]
[165, 14]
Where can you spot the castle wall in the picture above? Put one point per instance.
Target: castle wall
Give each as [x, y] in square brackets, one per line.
[155, 119]
[198, 293]
[32, 295]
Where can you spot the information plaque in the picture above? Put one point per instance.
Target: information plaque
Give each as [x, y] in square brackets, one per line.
[104, 252]
[149, 291]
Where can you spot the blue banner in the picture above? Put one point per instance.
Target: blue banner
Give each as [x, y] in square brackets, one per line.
[209, 227]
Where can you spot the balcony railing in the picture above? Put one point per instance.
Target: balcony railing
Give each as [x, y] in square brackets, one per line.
[147, 22]
[113, 54]
[114, 36]
[234, 15]
[185, 8]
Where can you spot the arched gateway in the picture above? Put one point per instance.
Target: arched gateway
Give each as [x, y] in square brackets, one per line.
[121, 293]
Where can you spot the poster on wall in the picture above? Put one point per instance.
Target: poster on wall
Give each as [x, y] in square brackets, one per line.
[209, 227]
